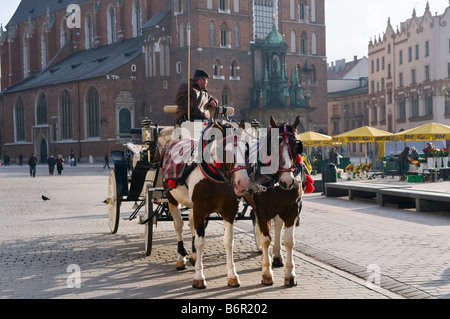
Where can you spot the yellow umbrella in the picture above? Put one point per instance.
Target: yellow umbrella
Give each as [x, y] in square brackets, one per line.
[363, 135]
[314, 139]
[427, 132]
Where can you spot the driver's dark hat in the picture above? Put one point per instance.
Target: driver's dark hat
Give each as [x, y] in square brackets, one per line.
[200, 74]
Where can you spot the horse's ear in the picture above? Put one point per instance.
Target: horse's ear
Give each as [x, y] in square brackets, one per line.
[273, 123]
[296, 123]
[242, 125]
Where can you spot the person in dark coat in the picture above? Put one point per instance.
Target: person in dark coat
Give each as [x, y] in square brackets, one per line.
[402, 158]
[59, 164]
[32, 162]
[200, 99]
[51, 161]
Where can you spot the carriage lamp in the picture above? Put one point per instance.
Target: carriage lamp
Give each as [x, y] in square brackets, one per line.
[148, 132]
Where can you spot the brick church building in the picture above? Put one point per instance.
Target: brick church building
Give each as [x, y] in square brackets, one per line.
[78, 74]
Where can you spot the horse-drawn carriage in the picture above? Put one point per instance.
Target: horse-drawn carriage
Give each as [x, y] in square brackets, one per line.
[210, 190]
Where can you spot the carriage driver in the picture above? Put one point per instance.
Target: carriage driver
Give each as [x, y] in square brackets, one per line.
[200, 100]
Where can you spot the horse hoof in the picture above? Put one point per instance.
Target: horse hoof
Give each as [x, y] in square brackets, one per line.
[290, 282]
[267, 281]
[234, 282]
[181, 265]
[199, 284]
[277, 262]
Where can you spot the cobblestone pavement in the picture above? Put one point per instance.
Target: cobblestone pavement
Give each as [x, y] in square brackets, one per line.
[45, 245]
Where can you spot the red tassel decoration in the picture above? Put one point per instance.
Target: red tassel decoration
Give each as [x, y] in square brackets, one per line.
[172, 183]
[299, 159]
[217, 164]
[309, 184]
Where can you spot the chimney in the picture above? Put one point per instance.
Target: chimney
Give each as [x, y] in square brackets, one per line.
[355, 58]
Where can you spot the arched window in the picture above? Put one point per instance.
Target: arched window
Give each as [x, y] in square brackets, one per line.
[218, 70]
[212, 33]
[124, 121]
[111, 25]
[293, 42]
[19, 120]
[224, 41]
[136, 18]
[92, 113]
[41, 110]
[304, 44]
[66, 122]
[43, 47]
[237, 36]
[88, 32]
[181, 35]
[234, 70]
[314, 44]
[63, 33]
[26, 68]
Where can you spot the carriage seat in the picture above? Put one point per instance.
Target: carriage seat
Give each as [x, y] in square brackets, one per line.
[138, 179]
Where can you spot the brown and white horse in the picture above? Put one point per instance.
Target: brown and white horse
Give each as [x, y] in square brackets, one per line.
[282, 199]
[212, 186]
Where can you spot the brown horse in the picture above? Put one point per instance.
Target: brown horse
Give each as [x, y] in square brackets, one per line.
[282, 200]
[212, 186]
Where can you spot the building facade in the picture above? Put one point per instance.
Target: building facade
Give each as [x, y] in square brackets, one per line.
[78, 83]
[409, 73]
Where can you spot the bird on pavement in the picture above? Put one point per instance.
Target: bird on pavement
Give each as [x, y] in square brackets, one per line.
[45, 198]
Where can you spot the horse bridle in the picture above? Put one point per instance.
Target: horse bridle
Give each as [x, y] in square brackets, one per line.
[225, 171]
[287, 136]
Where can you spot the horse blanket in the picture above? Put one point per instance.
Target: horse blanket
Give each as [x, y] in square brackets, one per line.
[177, 158]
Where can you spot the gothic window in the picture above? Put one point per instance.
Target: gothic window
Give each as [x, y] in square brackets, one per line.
[237, 36]
[293, 42]
[302, 10]
[43, 47]
[41, 110]
[19, 120]
[63, 33]
[314, 44]
[92, 113]
[304, 44]
[124, 121]
[66, 124]
[224, 36]
[212, 33]
[234, 70]
[89, 33]
[181, 35]
[25, 57]
[111, 25]
[136, 18]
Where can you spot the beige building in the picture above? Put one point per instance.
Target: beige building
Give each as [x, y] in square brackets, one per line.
[409, 73]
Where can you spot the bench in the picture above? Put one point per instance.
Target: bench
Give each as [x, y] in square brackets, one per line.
[401, 196]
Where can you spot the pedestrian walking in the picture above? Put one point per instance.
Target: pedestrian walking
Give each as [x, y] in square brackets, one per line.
[51, 161]
[32, 162]
[59, 164]
[73, 160]
[403, 157]
[106, 161]
[20, 159]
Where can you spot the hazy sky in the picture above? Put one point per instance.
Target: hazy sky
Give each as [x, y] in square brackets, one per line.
[350, 23]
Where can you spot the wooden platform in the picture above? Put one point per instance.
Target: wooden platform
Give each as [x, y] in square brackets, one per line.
[403, 196]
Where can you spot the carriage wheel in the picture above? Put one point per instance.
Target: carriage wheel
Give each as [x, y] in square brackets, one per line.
[149, 224]
[113, 201]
